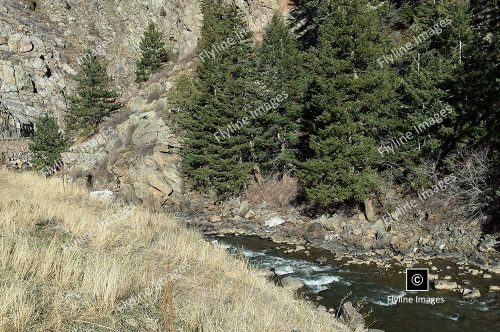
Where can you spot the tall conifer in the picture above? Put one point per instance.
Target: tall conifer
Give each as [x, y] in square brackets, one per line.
[351, 104]
[217, 153]
[278, 74]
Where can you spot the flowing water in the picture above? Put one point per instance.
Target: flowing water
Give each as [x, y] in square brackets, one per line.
[373, 285]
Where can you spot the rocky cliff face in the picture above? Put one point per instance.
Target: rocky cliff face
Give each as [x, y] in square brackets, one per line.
[41, 42]
[32, 72]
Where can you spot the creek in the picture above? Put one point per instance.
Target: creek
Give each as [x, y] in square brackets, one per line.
[328, 283]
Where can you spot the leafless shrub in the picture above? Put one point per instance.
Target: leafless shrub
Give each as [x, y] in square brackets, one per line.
[465, 198]
[276, 193]
[468, 196]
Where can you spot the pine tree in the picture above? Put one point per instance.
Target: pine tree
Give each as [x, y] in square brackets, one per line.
[47, 144]
[438, 31]
[94, 99]
[153, 54]
[216, 153]
[350, 105]
[278, 74]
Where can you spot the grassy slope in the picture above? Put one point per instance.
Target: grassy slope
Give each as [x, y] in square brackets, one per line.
[71, 264]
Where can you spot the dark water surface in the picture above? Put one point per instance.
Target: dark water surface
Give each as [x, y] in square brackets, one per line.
[371, 284]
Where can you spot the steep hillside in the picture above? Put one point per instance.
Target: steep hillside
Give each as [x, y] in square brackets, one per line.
[41, 44]
[68, 263]
[42, 41]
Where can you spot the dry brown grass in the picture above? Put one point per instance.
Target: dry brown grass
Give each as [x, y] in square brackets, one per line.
[71, 264]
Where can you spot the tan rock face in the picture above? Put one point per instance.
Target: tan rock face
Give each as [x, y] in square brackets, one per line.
[139, 159]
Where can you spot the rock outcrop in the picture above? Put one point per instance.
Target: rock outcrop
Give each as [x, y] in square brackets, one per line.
[139, 159]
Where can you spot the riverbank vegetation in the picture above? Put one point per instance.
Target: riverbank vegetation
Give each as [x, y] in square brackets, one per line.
[68, 263]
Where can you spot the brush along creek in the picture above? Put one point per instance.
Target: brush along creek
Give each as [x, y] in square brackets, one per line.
[461, 297]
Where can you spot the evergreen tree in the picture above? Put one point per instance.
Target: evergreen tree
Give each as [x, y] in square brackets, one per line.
[278, 73]
[153, 55]
[439, 30]
[217, 153]
[47, 144]
[94, 99]
[350, 105]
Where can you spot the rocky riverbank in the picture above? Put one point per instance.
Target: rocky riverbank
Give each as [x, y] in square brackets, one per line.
[355, 241]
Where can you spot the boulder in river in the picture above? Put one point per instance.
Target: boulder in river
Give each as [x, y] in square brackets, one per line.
[322, 260]
[445, 285]
[471, 293]
[493, 288]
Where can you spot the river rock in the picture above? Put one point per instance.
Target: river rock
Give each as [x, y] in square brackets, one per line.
[292, 283]
[487, 244]
[445, 285]
[471, 293]
[494, 288]
[487, 276]
[474, 272]
[322, 260]
[494, 269]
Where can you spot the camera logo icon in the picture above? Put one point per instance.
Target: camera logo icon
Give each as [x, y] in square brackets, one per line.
[417, 280]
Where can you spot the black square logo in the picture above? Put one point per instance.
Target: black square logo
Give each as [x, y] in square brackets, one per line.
[417, 280]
